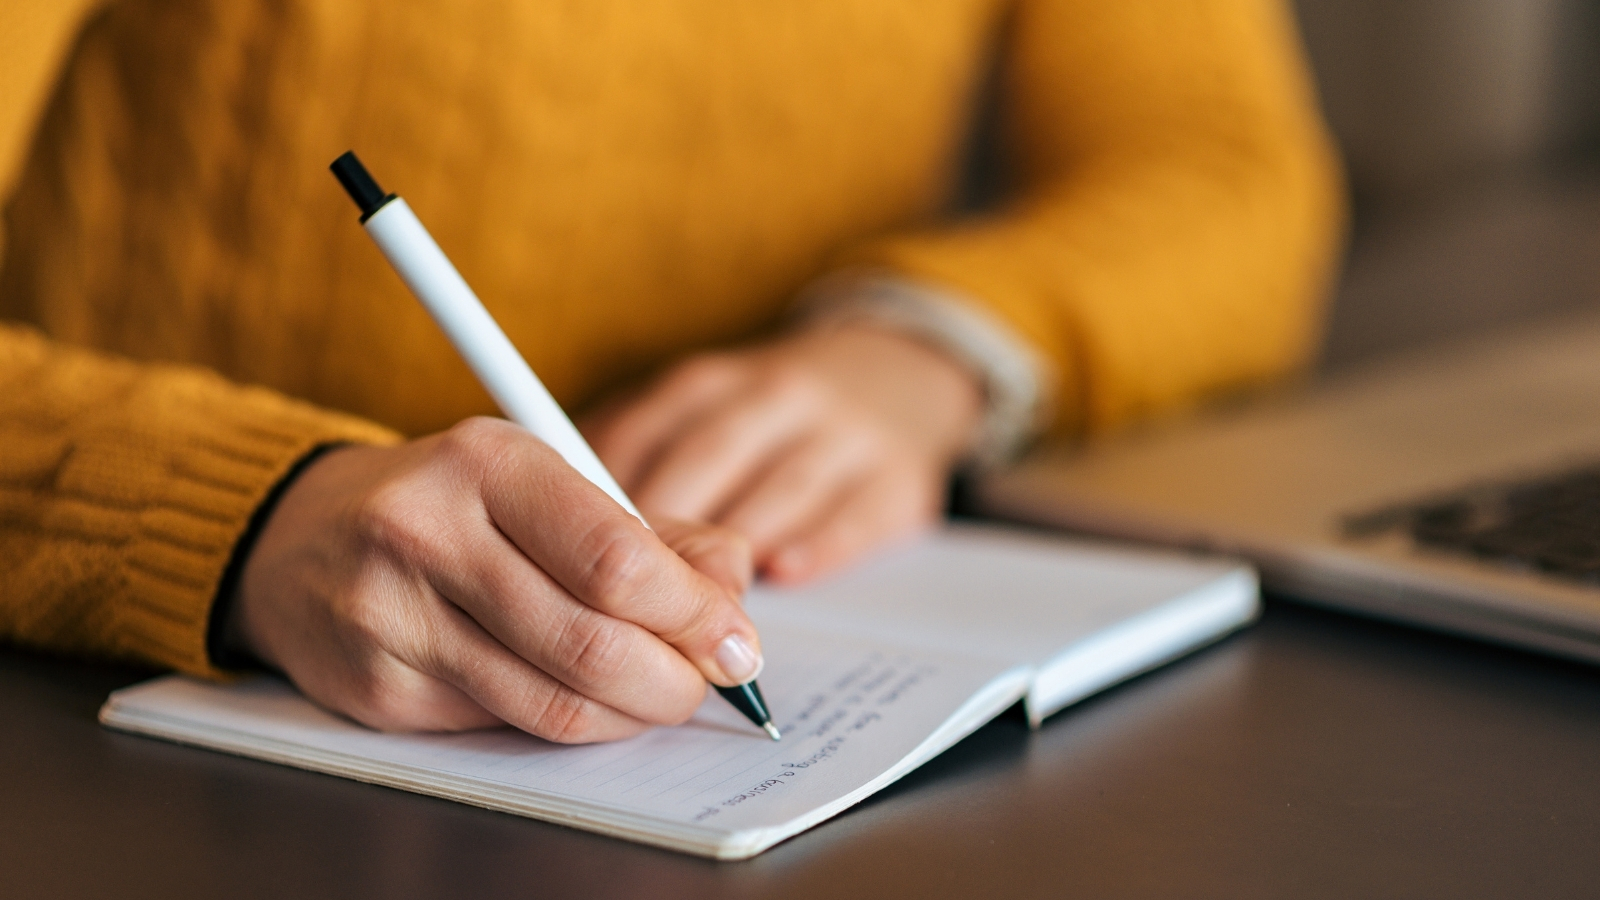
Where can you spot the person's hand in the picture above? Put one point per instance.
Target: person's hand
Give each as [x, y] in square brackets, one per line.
[473, 578]
[818, 447]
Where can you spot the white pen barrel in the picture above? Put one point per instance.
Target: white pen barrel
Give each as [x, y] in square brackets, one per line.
[502, 370]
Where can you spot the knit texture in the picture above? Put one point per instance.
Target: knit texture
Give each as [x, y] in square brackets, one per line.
[123, 489]
[622, 183]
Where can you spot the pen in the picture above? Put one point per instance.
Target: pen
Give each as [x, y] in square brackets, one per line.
[490, 354]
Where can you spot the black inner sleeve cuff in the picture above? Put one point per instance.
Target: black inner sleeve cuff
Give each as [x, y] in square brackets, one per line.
[221, 656]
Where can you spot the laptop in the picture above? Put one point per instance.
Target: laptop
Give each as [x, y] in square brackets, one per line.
[1457, 487]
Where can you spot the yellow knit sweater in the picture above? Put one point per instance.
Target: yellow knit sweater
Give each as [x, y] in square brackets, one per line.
[622, 182]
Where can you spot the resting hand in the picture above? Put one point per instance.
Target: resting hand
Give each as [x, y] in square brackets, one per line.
[472, 578]
[818, 447]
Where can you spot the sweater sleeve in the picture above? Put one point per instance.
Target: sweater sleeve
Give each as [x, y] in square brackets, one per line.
[1175, 210]
[123, 490]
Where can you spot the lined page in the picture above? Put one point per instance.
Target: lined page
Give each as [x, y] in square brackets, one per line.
[850, 709]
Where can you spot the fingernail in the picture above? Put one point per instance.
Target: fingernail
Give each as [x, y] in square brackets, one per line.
[737, 660]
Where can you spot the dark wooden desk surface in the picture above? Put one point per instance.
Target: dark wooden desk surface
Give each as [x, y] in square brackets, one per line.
[1313, 756]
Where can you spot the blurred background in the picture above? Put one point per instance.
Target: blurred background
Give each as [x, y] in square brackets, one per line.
[1471, 129]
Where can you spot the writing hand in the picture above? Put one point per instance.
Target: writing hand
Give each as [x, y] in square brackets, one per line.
[472, 578]
[818, 447]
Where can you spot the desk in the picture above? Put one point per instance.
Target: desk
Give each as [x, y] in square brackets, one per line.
[1313, 756]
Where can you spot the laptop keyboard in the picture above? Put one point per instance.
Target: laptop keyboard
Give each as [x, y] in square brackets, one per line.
[1550, 524]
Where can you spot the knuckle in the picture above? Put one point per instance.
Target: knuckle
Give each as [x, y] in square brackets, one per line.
[566, 717]
[377, 701]
[592, 649]
[619, 567]
[394, 518]
[700, 606]
[693, 611]
[366, 620]
[475, 430]
[473, 441]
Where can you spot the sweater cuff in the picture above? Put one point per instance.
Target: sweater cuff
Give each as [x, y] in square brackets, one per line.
[210, 480]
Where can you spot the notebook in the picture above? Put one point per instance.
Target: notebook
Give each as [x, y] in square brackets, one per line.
[868, 676]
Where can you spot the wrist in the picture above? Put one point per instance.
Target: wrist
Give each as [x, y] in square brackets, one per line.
[227, 642]
[924, 393]
[1014, 379]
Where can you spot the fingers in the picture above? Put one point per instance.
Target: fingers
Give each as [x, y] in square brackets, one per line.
[448, 674]
[783, 442]
[627, 573]
[518, 692]
[870, 514]
[630, 436]
[391, 695]
[474, 577]
[600, 555]
[531, 618]
[697, 472]
[798, 488]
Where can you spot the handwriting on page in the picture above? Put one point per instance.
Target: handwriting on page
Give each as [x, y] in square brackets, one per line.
[829, 720]
[849, 708]
[836, 693]
[852, 710]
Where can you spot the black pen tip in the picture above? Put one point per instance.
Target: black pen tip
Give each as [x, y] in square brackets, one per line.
[746, 698]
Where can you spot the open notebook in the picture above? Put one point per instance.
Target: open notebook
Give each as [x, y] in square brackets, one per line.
[868, 676]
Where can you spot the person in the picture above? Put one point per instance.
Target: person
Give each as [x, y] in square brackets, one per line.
[724, 233]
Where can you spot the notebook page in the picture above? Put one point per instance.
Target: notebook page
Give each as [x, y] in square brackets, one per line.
[851, 710]
[1084, 615]
[995, 591]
